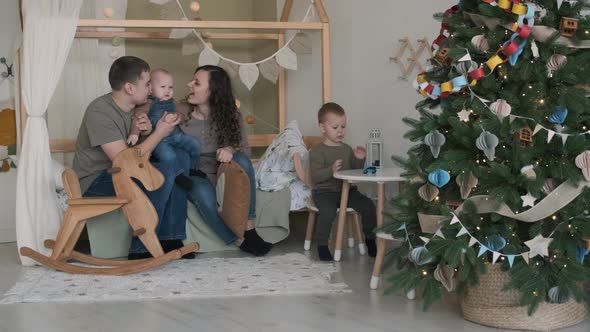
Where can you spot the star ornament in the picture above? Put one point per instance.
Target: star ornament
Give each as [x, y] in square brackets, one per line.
[539, 245]
[528, 200]
[464, 115]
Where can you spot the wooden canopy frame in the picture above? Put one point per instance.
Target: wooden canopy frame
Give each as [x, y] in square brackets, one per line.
[263, 140]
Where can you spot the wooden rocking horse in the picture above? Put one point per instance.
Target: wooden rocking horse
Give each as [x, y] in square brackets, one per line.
[140, 213]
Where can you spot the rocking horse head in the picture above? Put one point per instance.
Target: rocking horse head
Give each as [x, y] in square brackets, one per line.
[136, 164]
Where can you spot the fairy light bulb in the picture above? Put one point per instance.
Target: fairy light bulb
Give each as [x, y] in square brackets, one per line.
[195, 6]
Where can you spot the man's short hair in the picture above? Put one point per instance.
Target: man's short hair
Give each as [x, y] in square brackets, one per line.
[329, 108]
[126, 69]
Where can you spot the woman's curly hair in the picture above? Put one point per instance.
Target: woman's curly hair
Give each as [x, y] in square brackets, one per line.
[225, 118]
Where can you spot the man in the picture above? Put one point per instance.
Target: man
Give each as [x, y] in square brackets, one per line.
[103, 134]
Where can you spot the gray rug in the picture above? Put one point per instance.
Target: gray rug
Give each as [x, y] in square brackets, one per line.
[198, 278]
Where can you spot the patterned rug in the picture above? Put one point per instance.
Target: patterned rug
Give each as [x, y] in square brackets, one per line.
[199, 278]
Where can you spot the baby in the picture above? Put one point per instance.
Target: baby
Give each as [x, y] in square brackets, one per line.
[160, 103]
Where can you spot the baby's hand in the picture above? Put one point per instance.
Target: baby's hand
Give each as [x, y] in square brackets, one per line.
[337, 166]
[360, 152]
[170, 117]
[132, 140]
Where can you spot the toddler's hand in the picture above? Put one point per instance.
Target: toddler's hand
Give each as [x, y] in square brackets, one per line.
[360, 152]
[132, 140]
[337, 166]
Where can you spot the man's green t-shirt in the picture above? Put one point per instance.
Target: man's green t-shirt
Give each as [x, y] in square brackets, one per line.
[104, 122]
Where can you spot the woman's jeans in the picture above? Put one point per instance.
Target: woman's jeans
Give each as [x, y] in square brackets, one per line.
[204, 197]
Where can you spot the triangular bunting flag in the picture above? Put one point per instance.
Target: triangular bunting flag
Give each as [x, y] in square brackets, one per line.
[537, 128]
[466, 57]
[454, 220]
[559, 2]
[439, 234]
[564, 138]
[403, 226]
[550, 134]
[472, 241]
[462, 231]
[208, 57]
[230, 67]
[525, 256]
[510, 259]
[482, 250]
[301, 43]
[180, 33]
[287, 59]
[512, 118]
[270, 70]
[425, 239]
[249, 75]
[496, 255]
[191, 46]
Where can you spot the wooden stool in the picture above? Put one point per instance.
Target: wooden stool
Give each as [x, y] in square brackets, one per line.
[376, 276]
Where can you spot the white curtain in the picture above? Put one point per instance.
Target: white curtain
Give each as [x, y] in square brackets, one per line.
[48, 30]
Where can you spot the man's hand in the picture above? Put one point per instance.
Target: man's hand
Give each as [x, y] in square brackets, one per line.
[360, 152]
[142, 122]
[225, 155]
[132, 140]
[337, 166]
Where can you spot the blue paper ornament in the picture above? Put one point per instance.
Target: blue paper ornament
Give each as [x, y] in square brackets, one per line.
[559, 115]
[495, 242]
[439, 178]
[582, 252]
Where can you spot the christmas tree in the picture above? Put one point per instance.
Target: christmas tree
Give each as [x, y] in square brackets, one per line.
[502, 169]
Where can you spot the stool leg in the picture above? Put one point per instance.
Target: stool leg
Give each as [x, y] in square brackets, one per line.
[378, 263]
[350, 231]
[309, 232]
[359, 235]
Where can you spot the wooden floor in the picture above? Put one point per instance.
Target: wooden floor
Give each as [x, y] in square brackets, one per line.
[362, 310]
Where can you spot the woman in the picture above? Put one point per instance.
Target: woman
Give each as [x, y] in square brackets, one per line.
[214, 120]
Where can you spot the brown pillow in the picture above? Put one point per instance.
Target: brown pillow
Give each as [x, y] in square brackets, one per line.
[236, 196]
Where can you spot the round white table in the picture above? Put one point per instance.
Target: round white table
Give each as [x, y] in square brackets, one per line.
[382, 176]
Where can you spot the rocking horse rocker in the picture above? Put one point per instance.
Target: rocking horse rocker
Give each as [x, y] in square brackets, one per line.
[140, 213]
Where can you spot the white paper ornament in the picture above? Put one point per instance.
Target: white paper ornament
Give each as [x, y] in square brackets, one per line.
[549, 186]
[487, 142]
[480, 43]
[466, 66]
[466, 184]
[501, 108]
[557, 296]
[556, 61]
[113, 53]
[529, 172]
[248, 75]
[583, 163]
[446, 276]
[428, 192]
[287, 59]
[434, 140]
[418, 256]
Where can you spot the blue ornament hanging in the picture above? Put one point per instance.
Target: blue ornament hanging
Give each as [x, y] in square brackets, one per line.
[559, 115]
[495, 242]
[439, 178]
[582, 252]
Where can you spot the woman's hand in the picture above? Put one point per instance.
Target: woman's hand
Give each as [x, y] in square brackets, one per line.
[225, 155]
[360, 152]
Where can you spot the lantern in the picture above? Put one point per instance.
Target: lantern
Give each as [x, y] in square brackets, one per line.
[375, 148]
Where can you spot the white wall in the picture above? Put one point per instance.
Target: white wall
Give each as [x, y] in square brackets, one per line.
[364, 34]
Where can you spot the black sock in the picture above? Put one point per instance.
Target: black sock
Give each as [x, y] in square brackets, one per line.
[169, 245]
[262, 246]
[184, 182]
[248, 246]
[371, 247]
[325, 254]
